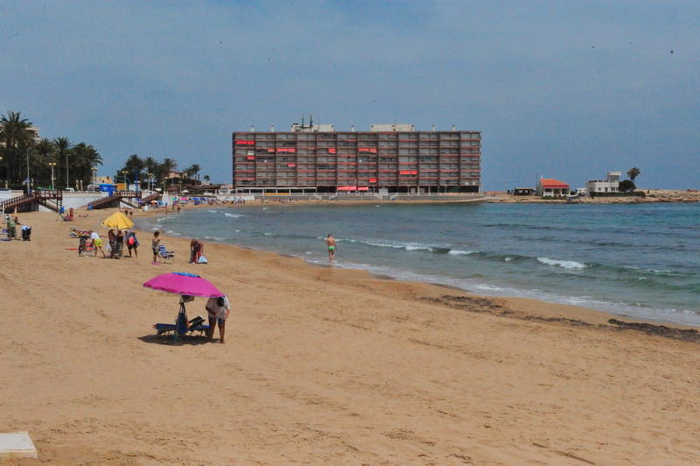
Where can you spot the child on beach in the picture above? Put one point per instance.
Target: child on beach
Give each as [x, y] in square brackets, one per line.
[97, 243]
[132, 243]
[155, 245]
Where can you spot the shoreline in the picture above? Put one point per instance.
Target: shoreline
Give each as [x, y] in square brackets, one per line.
[322, 365]
[652, 196]
[652, 320]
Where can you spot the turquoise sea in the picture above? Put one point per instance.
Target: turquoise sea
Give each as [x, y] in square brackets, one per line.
[638, 260]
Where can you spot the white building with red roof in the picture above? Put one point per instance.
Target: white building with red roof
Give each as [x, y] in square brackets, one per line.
[549, 187]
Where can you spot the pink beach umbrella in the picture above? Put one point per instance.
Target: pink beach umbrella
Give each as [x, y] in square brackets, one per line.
[184, 284]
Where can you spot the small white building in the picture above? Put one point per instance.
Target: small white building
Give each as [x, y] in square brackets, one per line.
[611, 184]
[549, 187]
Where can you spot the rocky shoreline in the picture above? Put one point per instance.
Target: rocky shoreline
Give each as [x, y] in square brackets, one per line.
[647, 196]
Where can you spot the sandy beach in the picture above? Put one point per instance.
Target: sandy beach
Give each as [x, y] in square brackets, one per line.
[323, 366]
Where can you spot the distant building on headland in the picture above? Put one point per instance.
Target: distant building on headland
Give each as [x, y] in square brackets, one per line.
[549, 187]
[611, 184]
[389, 158]
[523, 191]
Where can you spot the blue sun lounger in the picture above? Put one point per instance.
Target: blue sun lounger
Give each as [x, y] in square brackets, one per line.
[164, 253]
[182, 326]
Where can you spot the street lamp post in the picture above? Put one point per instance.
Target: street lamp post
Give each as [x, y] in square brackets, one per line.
[52, 164]
[27, 151]
[126, 180]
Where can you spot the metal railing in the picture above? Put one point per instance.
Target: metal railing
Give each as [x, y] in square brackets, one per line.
[33, 197]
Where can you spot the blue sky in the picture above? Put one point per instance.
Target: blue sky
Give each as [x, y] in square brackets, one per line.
[563, 89]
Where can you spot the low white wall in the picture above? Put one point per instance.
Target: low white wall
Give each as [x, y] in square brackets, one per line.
[7, 194]
[76, 200]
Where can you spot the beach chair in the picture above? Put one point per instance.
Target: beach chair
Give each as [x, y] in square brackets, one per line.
[165, 254]
[182, 326]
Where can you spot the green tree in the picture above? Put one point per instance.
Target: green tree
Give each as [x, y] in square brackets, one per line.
[63, 147]
[132, 168]
[192, 171]
[206, 178]
[44, 153]
[15, 140]
[85, 157]
[151, 166]
[166, 166]
[627, 186]
[633, 173]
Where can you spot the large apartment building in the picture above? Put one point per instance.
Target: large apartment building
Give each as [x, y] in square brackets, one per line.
[395, 158]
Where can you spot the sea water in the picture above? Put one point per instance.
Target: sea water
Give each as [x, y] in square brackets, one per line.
[639, 260]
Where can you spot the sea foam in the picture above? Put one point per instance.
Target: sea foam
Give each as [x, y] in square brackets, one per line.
[561, 263]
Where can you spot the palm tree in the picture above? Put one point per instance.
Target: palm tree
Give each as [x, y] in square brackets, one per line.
[206, 178]
[633, 173]
[166, 166]
[63, 147]
[151, 165]
[44, 153]
[92, 160]
[132, 168]
[16, 139]
[85, 158]
[195, 170]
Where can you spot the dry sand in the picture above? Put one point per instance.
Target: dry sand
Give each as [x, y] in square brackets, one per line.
[322, 366]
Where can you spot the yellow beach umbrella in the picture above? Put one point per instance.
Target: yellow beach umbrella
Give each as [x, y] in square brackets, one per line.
[118, 220]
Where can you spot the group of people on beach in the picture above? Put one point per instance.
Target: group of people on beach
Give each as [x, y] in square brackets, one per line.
[116, 238]
[196, 249]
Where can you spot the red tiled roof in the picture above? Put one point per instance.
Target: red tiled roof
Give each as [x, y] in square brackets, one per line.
[551, 183]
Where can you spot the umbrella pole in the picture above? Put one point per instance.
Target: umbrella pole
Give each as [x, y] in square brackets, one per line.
[182, 314]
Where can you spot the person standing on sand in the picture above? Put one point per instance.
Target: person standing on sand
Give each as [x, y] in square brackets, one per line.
[132, 243]
[155, 245]
[112, 237]
[97, 243]
[330, 242]
[218, 309]
[119, 239]
[11, 228]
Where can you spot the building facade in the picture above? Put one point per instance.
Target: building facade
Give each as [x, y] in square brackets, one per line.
[611, 184]
[549, 187]
[391, 158]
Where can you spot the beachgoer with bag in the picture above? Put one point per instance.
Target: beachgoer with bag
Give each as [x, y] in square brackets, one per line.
[132, 243]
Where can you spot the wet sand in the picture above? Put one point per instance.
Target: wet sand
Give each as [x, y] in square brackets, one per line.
[323, 366]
